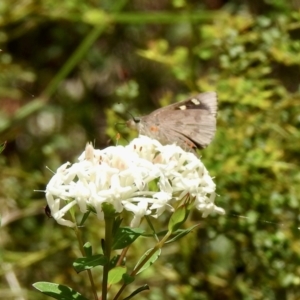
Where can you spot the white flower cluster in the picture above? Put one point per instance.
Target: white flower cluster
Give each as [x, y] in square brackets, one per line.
[144, 177]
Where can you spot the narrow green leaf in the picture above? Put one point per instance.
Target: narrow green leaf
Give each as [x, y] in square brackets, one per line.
[125, 236]
[86, 263]
[181, 233]
[150, 261]
[58, 291]
[178, 217]
[137, 291]
[149, 221]
[88, 249]
[84, 218]
[116, 274]
[2, 147]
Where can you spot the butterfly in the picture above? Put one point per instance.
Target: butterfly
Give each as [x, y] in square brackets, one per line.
[190, 124]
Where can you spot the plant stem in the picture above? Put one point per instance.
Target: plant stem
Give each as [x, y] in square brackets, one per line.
[158, 246]
[78, 235]
[109, 221]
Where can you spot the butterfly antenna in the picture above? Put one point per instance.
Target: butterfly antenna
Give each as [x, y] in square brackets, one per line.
[19, 87]
[136, 120]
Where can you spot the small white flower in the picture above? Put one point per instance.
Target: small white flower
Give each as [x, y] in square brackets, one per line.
[160, 202]
[139, 211]
[144, 177]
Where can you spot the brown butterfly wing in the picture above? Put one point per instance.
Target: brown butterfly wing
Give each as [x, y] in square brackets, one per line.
[207, 101]
[189, 124]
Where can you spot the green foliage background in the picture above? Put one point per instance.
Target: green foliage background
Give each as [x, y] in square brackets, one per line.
[70, 70]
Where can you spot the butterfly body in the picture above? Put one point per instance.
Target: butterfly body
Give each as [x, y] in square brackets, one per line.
[189, 124]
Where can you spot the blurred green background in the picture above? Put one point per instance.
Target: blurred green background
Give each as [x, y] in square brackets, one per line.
[70, 70]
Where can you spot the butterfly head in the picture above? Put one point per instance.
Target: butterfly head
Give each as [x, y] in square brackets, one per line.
[134, 123]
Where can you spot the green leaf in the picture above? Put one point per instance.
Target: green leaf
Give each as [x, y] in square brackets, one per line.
[150, 261]
[181, 233]
[116, 274]
[127, 278]
[86, 263]
[2, 147]
[84, 218]
[137, 291]
[113, 261]
[125, 236]
[178, 217]
[58, 291]
[88, 249]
